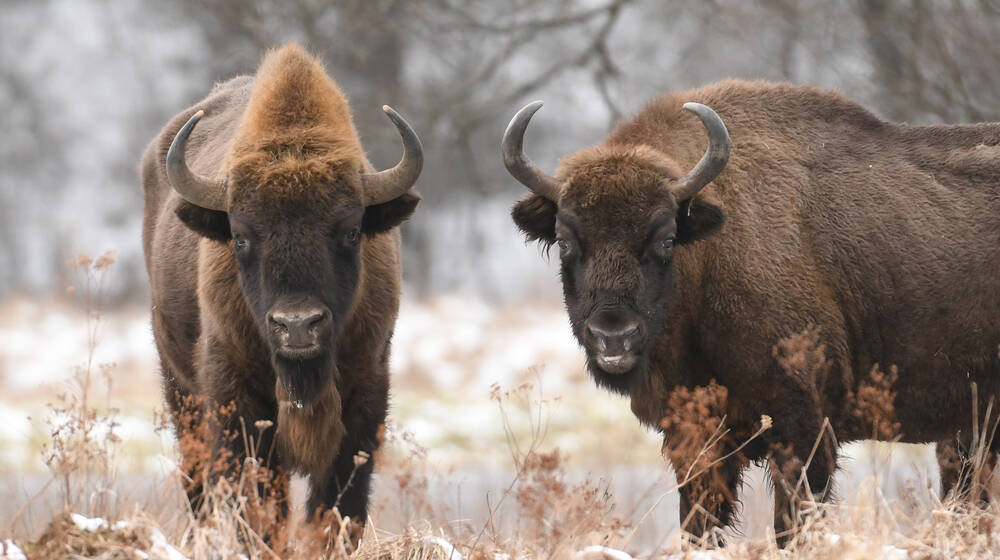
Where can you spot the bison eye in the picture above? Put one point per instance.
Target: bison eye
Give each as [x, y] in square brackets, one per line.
[353, 236]
[563, 247]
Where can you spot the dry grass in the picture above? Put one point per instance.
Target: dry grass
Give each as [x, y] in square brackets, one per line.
[541, 512]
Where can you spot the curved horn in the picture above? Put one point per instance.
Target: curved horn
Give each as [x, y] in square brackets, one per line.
[715, 158]
[197, 190]
[386, 185]
[518, 164]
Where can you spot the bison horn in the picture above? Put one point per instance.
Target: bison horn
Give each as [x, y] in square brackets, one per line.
[389, 184]
[518, 164]
[715, 158]
[197, 190]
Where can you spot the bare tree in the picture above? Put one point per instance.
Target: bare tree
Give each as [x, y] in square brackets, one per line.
[934, 61]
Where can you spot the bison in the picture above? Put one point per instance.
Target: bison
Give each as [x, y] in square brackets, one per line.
[685, 261]
[273, 253]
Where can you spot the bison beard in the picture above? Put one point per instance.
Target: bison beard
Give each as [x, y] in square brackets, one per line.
[304, 380]
[618, 383]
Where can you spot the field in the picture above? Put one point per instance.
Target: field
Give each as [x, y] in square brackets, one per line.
[499, 446]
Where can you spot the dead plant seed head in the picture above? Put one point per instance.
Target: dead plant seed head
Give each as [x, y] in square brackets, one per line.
[361, 458]
[105, 260]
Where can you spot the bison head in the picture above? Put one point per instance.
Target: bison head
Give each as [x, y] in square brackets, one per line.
[617, 213]
[296, 207]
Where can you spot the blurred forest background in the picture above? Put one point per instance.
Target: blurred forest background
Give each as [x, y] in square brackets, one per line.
[85, 84]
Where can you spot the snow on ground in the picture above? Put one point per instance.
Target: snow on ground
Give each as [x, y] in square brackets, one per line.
[10, 551]
[42, 342]
[461, 343]
[89, 524]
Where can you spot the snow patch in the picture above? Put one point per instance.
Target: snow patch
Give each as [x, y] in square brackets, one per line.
[601, 553]
[89, 524]
[10, 551]
[162, 549]
[445, 546]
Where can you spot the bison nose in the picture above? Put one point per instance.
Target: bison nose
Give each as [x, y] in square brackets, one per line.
[299, 328]
[613, 340]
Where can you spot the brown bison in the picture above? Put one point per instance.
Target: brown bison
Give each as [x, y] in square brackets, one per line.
[273, 254]
[883, 236]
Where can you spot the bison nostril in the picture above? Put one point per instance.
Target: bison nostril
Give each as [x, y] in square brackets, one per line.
[630, 336]
[277, 322]
[316, 319]
[597, 336]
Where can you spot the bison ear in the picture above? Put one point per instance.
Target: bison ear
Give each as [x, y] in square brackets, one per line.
[212, 224]
[698, 218]
[535, 216]
[380, 218]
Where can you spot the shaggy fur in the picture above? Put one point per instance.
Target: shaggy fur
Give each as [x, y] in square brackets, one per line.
[885, 236]
[285, 142]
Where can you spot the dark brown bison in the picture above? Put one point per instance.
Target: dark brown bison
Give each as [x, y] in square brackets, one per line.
[816, 213]
[273, 254]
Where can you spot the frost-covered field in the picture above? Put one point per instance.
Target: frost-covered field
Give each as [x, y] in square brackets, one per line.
[449, 356]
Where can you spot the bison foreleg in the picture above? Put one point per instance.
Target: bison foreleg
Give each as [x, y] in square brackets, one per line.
[801, 448]
[347, 482]
[965, 474]
[708, 496]
[243, 453]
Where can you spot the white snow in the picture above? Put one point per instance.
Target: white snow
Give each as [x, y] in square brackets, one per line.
[607, 553]
[887, 551]
[444, 545]
[901, 471]
[56, 342]
[601, 553]
[10, 551]
[89, 524]
[462, 342]
[161, 549]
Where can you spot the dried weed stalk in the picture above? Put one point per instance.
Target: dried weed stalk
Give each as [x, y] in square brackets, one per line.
[81, 454]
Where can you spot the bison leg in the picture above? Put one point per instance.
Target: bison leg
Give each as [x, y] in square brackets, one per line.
[233, 433]
[189, 428]
[961, 477]
[788, 459]
[184, 408]
[709, 500]
[186, 415]
[347, 482]
[245, 454]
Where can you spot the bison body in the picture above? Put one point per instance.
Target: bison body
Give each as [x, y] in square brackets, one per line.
[885, 237]
[273, 258]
